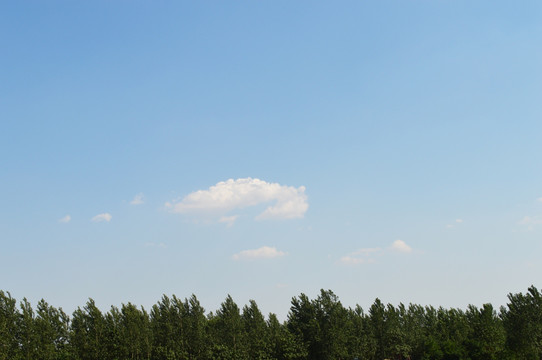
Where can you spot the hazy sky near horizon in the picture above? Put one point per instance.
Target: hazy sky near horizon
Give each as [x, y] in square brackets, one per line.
[263, 149]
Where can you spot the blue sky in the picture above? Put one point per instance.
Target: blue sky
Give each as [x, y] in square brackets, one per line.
[378, 149]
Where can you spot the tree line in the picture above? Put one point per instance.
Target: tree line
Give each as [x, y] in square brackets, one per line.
[320, 328]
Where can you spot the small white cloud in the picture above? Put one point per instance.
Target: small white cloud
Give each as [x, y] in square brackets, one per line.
[137, 200]
[531, 220]
[367, 255]
[281, 286]
[539, 199]
[353, 260]
[400, 246]
[228, 220]
[360, 256]
[366, 251]
[225, 196]
[265, 252]
[65, 219]
[457, 221]
[102, 217]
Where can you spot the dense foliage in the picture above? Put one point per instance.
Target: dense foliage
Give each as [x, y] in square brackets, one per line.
[320, 328]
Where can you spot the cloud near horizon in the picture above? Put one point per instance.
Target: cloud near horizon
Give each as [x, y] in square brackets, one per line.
[367, 255]
[102, 217]
[265, 252]
[226, 196]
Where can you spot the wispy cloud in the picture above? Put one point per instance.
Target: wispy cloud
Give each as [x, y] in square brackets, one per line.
[65, 219]
[361, 256]
[352, 260]
[531, 220]
[289, 202]
[265, 252]
[457, 221]
[369, 255]
[102, 217]
[137, 200]
[366, 251]
[228, 220]
[539, 199]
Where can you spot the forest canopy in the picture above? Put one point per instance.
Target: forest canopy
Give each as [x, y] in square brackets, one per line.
[320, 328]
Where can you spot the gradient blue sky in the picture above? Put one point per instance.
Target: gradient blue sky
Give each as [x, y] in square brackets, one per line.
[418, 121]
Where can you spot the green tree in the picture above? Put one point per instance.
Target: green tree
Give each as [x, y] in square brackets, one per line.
[523, 324]
[27, 332]
[282, 343]
[415, 329]
[51, 327]
[255, 329]
[227, 333]
[361, 344]
[487, 337]
[452, 330]
[163, 324]
[377, 323]
[88, 336]
[303, 325]
[396, 339]
[9, 319]
[113, 334]
[334, 326]
[322, 325]
[135, 337]
[195, 328]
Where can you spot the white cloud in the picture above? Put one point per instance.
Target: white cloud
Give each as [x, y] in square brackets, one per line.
[539, 199]
[352, 260]
[102, 217]
[265, 252]
[400, 246]
[65, 219]
[228, 220]
[225, 196]
[361, 256]
[366, 251]
[138, 199]
[457, 221]
[531, 220]
[367, 255]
